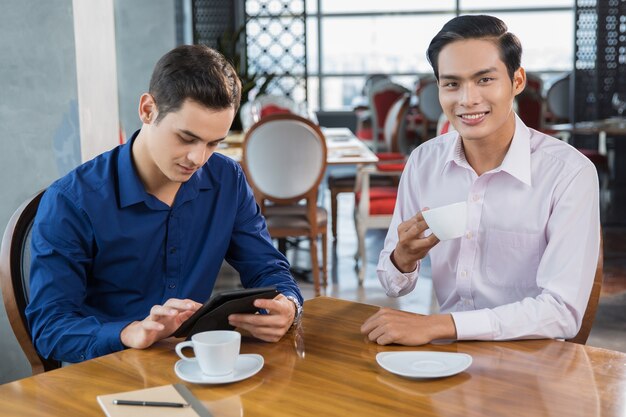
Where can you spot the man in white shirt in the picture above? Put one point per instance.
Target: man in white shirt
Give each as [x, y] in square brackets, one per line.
[525, 266]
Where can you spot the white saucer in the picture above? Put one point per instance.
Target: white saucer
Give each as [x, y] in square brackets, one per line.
[246, 366]
[421, 364]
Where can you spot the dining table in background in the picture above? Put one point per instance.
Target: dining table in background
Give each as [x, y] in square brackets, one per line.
[343, 147]
[326, 367]
[613, 127]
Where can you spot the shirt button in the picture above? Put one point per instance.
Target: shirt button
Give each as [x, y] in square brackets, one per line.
[463, 273]
[173, 250]
[468, 235]
[171, 286]
[476, 197]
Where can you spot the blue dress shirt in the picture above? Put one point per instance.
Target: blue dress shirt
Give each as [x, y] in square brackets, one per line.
[104, 251]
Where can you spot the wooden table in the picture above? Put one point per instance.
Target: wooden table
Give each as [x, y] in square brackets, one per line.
[343, 148]
[327, 368]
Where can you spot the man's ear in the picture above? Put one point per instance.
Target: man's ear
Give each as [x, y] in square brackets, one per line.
[147, 108]
[519, 80]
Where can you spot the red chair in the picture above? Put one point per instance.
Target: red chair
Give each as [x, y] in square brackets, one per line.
[375, 202]
[381, 97]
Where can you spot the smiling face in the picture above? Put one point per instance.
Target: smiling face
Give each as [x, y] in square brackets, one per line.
[476, 92]
[174, 148]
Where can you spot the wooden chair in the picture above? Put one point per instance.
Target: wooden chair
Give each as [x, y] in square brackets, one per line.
[284, 158]
[14, 279]
[375, 199]
[373, 208]
[592, 305]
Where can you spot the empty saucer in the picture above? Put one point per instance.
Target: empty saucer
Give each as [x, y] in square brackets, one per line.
[246, 366]
[422, 364]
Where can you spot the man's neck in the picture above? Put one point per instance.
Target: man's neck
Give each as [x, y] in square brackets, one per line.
[486, 154]
[153, 180]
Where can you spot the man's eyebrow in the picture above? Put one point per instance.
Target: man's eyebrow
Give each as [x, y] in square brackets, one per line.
[188, 133]
[476, 74]
[193, 135]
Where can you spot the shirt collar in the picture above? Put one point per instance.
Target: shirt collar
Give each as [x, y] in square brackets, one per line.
[132, 190]
[516, 161]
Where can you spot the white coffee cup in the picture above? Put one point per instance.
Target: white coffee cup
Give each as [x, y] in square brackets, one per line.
[216, 351]
[447, 222]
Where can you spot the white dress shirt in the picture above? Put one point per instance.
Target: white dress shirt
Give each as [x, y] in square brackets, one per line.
[525, 266]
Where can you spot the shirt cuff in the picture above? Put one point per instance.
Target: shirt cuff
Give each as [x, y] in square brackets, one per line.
[397, 281]
[473, 325]
[109, 338]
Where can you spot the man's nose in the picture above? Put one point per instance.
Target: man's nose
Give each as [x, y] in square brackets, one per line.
[198, 154]
[469, 95]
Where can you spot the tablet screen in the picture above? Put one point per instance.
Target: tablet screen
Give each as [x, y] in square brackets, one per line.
[228, 301]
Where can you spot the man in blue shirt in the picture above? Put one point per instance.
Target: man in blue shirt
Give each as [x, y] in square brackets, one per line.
[125, 246]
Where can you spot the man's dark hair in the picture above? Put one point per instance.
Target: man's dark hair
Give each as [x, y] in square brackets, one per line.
[478, 27]
[194, 72]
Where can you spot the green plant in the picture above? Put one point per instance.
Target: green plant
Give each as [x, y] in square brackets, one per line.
[228, 45]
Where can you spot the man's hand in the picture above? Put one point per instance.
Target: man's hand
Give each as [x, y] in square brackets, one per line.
[412, 245]
[271, 326]
[161, 323]
[393, 326]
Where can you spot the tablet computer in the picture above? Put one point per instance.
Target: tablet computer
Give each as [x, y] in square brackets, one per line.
[213, 315]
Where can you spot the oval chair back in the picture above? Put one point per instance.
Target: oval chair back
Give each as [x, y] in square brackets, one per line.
[382, 95]
[395, 126]
[558, 99]
[429, 100]
[284, 157]
[15, 279]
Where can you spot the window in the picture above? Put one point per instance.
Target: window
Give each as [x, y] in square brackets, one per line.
[349, 39]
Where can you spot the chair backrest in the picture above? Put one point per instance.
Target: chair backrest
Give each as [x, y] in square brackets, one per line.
[269, 104]
[372, 80]
[284, 158]
[592, 305]
[428, 94]
[530, 103]
[558, 100]
[15, 276]
[395, 125]
[381, 97]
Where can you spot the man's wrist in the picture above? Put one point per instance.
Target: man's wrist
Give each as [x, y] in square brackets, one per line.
[404, 267]
[298, 309]
[442, 327]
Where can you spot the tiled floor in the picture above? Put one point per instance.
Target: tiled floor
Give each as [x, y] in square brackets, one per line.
[609, 330]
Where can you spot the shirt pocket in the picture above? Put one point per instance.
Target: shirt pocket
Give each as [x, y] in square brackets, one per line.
[512, 258]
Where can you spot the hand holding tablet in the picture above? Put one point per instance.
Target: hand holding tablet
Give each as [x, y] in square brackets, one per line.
[213, 315]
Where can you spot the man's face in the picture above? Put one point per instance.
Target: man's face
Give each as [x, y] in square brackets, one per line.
[182, 142]
[475, 90]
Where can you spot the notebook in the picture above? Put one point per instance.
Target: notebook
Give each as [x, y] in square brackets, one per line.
[176, 393]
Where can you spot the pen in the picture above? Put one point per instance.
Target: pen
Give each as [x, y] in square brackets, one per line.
[150, 403]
